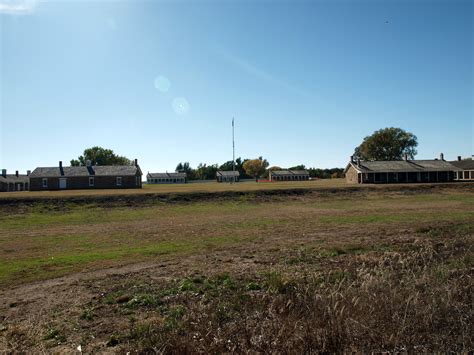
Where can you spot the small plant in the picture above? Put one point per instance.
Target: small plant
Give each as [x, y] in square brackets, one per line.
[113, 297]
[54, 334]
[253, 286]
[277, 283]
[144, 300]
[188, 285]
[332, 252]
[173, 318]
[87, 314]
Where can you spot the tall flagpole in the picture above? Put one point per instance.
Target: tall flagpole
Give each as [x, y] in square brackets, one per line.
[233, 152]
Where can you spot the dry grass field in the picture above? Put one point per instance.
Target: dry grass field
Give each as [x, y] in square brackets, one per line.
[207, 187]
[327, 269]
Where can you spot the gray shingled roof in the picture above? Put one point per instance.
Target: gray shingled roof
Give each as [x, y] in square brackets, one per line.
[467, 164]
[12, 178]
[228, 173]
[70, 171]
[403, 166]
[290, 172]
[166, 175]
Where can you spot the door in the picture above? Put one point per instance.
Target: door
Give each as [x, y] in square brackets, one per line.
[62, 183]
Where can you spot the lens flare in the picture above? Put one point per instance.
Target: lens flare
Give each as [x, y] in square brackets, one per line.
[180, 105]
[162, 83]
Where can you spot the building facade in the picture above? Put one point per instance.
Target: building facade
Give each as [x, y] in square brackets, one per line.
[288, 175]
[464, 169]
[166, 178]
[14, 182]
[86, 177]
[227, 176]
[399, 171]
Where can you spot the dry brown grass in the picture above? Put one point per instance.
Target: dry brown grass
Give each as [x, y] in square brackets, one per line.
[377, 270]
[207, 187]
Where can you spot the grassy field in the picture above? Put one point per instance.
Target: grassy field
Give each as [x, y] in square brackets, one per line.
[368, 270]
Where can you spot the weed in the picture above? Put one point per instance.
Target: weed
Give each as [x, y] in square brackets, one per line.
[54, 334]
[173, 318]
[277, 283]
[144, 300]
[87, 314]
[253, 286]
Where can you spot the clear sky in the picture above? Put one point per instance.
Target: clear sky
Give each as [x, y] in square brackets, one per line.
[161, 80]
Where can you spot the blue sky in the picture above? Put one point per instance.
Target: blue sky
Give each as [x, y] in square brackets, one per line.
[161, 80]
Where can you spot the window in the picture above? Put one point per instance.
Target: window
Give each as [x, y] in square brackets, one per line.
[466, 175]
[119, 181]
[45, 182]
[91, 181]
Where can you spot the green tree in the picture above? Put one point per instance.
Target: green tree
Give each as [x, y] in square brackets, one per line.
[100, 156]
[256, 167]
[387, 144]
[206, 172]
[186, 168]
[298, 167]
[239, 166]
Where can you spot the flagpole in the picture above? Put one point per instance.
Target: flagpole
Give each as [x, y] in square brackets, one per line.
[233, 152]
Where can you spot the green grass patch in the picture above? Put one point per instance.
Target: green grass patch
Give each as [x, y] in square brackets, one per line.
[53, 266]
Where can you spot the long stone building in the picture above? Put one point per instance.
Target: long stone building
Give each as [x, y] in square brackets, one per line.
[288, 175]
[14, 182]
[86, 177]
[464, 169]
[399, 171]
[227, 176]
[166, 178]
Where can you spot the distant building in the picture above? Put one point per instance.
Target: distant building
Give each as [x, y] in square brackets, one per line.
[86, 177]
[288, 175]
[464, 169]
[14, 182]
[227, 176]
[399, 171]
[166, 178]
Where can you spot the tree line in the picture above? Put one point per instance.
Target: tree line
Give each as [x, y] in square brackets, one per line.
[251, 169]
[385, 144]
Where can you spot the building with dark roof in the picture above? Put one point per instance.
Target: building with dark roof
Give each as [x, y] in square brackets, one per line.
[464, 169]
[227, 176]
[166, 178]
[14, 182]
[86, 177]
[288, 175]
[399, 171]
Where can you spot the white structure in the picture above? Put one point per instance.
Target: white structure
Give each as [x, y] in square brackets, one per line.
[166, 178]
